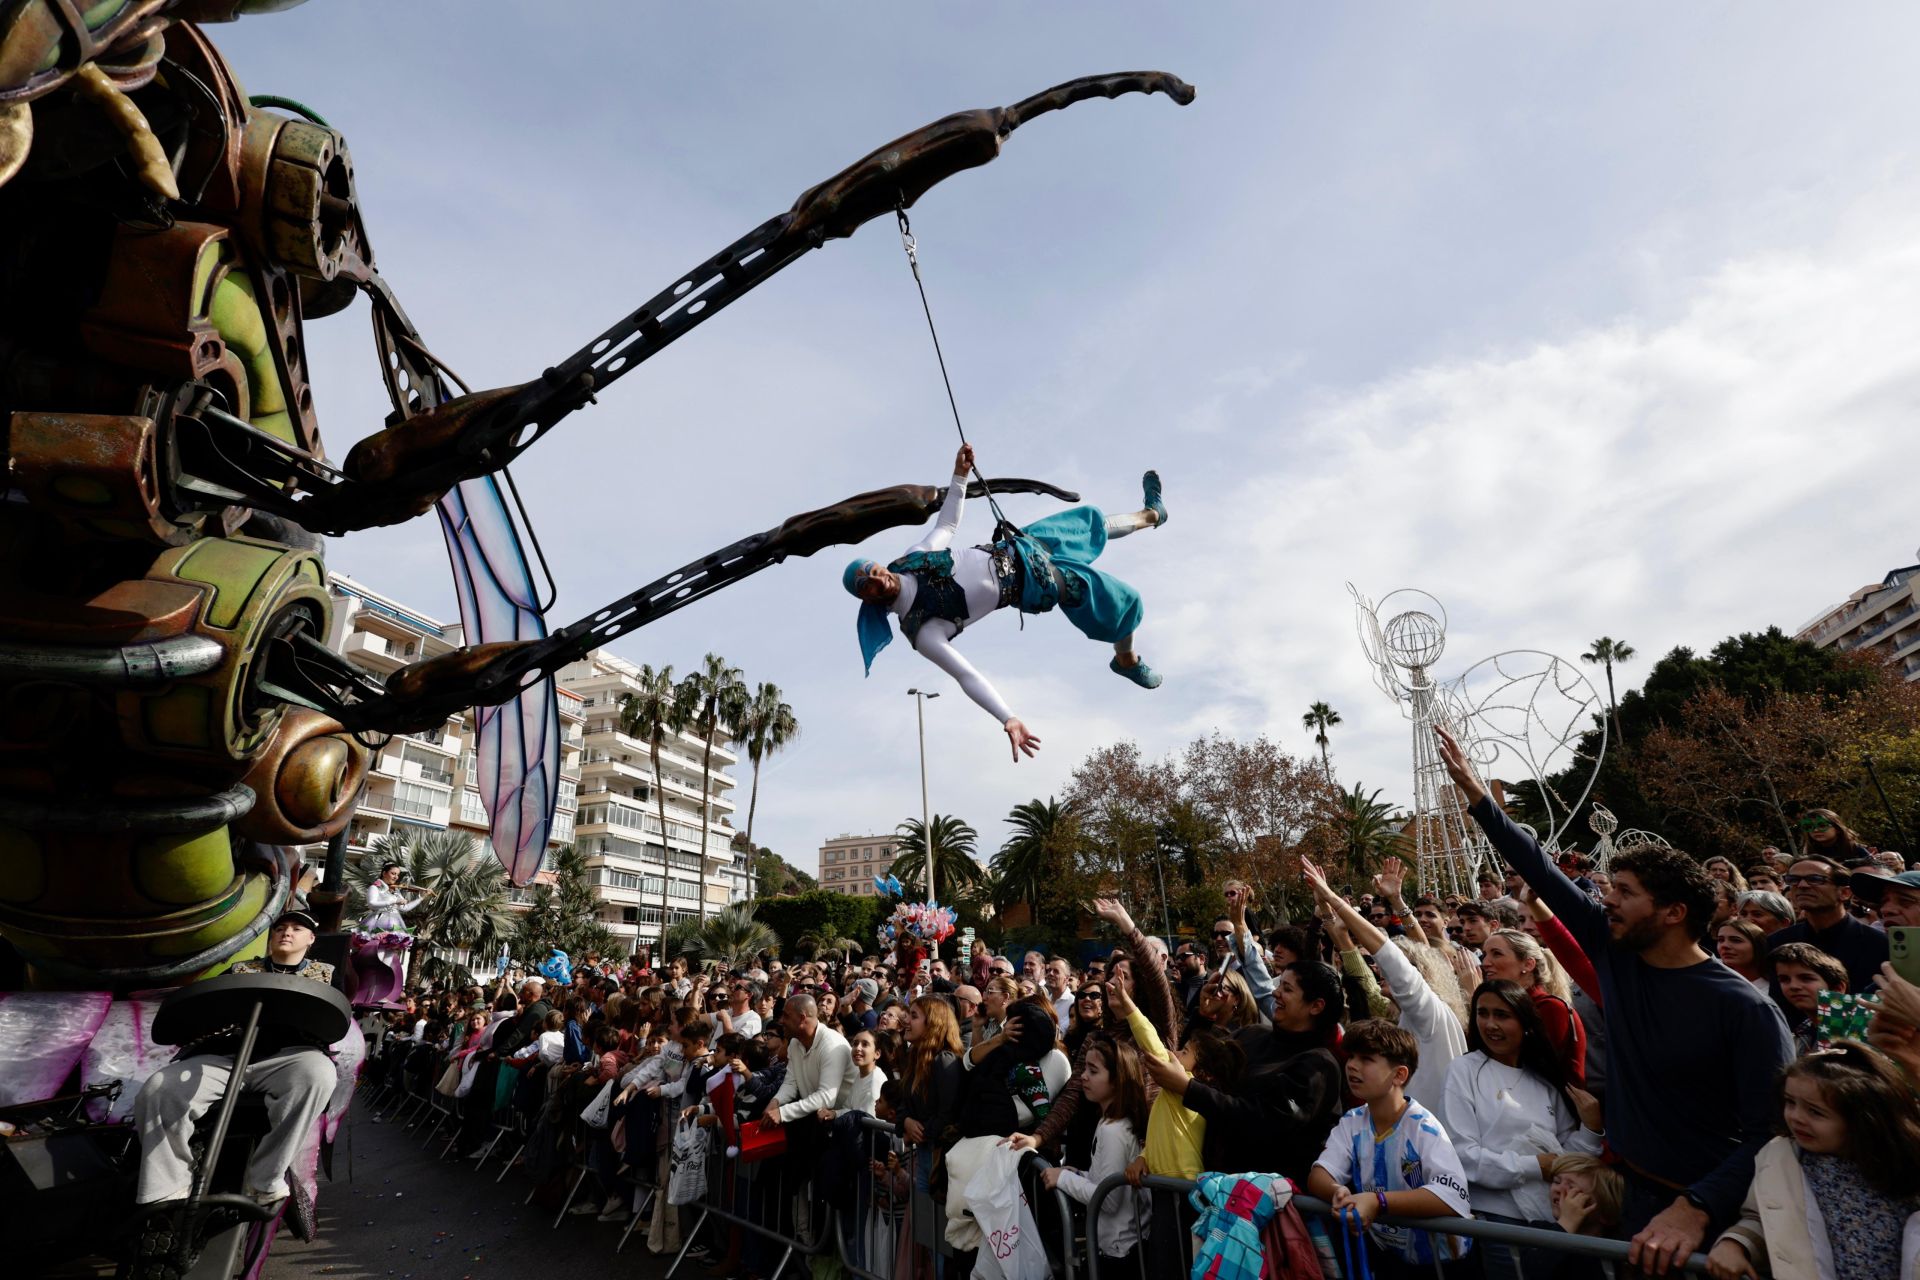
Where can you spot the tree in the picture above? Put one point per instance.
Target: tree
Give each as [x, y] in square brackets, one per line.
[659, 708]
[773, 875]
[732, 937]
[1607, 650]
[1222, 809]
[1040, 848]
[719, 698]
[565, 913]
[1319, 718]
[468, 908]
[822, 914]
[766, 727]
[953, 860]
[1370, 832]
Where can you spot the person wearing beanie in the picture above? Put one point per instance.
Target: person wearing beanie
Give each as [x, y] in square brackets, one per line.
[936, 591]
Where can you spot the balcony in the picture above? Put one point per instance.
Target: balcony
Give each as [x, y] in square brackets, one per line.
[1886, 627]
[384, 803]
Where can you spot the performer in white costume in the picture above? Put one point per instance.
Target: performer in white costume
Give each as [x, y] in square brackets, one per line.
[937, 591]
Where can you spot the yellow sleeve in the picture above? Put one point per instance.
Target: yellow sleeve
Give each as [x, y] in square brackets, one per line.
[1145, 1036]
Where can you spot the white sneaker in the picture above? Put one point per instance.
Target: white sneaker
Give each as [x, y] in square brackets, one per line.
[582, 1209]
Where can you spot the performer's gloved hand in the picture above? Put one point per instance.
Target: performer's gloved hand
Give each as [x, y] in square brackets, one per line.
[1022, 740]
[963, 461]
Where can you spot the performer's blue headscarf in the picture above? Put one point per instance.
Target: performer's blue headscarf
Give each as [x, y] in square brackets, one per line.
[876, 633]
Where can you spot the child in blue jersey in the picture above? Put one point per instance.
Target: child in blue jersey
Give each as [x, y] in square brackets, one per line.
[1389, 1155]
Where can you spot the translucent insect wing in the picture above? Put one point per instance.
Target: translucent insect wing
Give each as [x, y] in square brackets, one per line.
[517, 752]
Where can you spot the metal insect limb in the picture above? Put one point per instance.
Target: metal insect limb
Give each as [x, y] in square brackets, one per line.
[427, 692]
[401, 472]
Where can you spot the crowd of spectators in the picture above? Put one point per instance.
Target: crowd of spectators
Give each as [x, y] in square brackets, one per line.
[1638, 1053]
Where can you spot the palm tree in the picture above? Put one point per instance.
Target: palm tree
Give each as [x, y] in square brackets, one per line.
[1042, 834]
[953, 861]
[720, 699]
[1369, 832]
[767, 727]
[828, 943]
[1607, 650]
[656, 710]
[1319, 718]
[469, 903]
[731, 937]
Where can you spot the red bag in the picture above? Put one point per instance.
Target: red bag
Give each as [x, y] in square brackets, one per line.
[759, 1141]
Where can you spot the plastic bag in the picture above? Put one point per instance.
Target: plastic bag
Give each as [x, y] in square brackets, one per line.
[600, 1110]
[1010, 1247]
[688, 1180]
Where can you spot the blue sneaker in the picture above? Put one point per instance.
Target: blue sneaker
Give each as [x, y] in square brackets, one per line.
[1140, 673]
[1150, 487]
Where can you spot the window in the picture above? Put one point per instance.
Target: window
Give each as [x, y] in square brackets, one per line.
[471, 810]
[412, 798]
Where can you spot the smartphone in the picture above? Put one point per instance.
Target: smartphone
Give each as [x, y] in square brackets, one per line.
[1903, 946]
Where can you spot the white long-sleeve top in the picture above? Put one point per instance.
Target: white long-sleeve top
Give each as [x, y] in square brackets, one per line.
[1126, 1211]
[380, 897]
[1501, 1119]
[860, 1092]
[973, 571]
[1433, 1026]
[814, 1075]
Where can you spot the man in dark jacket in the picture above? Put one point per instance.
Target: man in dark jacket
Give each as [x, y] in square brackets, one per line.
[514, 1034]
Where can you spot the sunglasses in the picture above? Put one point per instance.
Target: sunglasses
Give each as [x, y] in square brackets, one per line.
[1814, 824]
[1791, 879]
[1094, 996]
[1223, 933]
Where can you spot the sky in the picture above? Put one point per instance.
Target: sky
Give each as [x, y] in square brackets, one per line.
[1585, 319]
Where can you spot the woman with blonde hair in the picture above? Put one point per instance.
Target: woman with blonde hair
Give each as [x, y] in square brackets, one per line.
[1722, 868]
[1437, 973]
[1516, 957]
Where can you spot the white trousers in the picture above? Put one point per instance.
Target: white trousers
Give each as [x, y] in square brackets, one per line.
[297, 1086]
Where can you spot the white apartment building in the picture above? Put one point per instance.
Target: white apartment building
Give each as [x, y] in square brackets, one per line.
[848, 863]
[1882, 618]
[428, 779]
[619, 823]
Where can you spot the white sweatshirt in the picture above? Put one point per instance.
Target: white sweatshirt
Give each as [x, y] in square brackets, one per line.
[1433, 1026]
[1501, 1119]
[973, 571]
[858, 1092]
[1125, 1213]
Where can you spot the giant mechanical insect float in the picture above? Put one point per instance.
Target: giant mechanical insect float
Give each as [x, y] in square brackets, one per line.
[173, 729]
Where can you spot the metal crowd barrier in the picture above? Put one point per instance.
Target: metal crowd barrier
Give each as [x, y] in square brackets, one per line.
[1498, 1265]
[767, 1202]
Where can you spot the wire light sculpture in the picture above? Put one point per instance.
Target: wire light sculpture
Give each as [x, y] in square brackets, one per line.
[1603, 824]
[1524, 706]
[1449, 848]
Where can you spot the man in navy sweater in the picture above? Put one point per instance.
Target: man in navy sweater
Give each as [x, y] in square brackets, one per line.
[1693, 1049]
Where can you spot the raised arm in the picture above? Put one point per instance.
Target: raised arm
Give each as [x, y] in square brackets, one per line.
[1585, 919]
[940, 537]
[935, 644]
[1246, 946]
[1358, 926]
[1390, 883]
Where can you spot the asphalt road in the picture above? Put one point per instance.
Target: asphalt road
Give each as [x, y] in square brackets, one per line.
[395, 1212]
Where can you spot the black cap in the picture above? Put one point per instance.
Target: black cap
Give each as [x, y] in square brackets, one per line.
[299, 917]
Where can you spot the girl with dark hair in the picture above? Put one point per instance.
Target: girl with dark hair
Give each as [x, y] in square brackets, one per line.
[1510, 1110]
[1741, 945]
[1112, 1082]
[1825, 836]
[1838, 1195]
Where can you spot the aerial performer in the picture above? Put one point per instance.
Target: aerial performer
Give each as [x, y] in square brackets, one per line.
[937, 592]
[381, 940]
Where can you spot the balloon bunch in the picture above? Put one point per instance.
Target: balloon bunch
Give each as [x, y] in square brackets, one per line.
[926, 922]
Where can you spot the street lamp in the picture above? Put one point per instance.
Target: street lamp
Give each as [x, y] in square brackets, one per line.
[920, 697]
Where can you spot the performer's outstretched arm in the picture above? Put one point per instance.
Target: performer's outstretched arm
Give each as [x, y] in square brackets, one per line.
[936, 646]
[940, 537]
